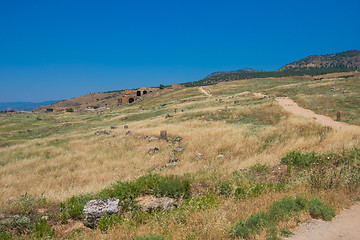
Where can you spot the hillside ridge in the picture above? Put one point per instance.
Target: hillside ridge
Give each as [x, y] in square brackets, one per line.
[343, 60]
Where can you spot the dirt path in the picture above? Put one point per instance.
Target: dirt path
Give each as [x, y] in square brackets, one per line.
[292, 107]
[207, 93]
[345, 226]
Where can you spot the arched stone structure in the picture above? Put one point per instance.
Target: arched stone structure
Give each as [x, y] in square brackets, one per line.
[130, 95]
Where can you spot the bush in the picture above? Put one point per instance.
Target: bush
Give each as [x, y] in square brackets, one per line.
[281, 210]
[259, 168]
[318, 208]
[173, 186]
[225, 188]
[5, 236]
[200, 203]
[25, 204]
[69, 110]
[74, 206]
[107, 222]
[42, 230]
[300, 160]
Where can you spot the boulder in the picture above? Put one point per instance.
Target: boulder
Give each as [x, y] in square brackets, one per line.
[150, 138]
[154, 150]
[113, 127]
[173, 160]
[150, 203]
[95, 209]
[178, 148]
[198, 155]
[3, 145]
[171, 164]
[163, 134]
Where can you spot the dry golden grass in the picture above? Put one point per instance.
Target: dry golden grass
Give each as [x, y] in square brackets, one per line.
[246, 133]
[84, 162]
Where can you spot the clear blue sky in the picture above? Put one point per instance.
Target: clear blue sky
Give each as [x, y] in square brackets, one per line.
[53, 50]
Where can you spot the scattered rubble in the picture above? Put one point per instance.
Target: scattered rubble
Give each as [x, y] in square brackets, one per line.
[154, 150]
[102, 132]
[177, 149]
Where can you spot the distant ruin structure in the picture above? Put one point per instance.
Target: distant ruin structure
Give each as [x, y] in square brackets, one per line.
[130, 95]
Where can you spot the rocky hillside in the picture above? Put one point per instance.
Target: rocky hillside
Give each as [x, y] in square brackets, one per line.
[345, 60]
[91, 100]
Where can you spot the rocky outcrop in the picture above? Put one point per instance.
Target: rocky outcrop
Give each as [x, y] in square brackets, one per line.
[150, 203]
[95, 209]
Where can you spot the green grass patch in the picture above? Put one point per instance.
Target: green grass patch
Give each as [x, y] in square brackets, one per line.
[280, 211]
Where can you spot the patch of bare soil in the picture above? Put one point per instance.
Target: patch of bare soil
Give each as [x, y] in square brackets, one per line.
[207, 93]
[292, 107]
[345, 226]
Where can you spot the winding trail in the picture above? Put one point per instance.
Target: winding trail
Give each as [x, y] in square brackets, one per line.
[292, 107]
[207, 93]
[345, 226]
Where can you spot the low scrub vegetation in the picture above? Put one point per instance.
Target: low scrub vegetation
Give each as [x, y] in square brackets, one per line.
[255, 182]
[282, 210]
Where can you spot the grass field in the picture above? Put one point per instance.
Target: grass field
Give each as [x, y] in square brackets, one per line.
[59, 155]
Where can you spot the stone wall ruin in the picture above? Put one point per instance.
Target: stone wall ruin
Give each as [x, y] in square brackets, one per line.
[131, 95]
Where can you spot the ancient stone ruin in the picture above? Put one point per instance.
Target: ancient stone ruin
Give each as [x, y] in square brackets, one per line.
[131, 95]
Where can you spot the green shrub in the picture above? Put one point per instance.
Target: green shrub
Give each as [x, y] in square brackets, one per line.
[254, 190]
[225, 188]
[259, 168]
[107, 222]
[285, 208]
[25, 204]
[69, 110]
[42, 230]
[250, 227]
[5, 236]
[281, 210]
[173, 186]
[300, 160]
[318, 208]
[286, 232]
[200, 203]
[150, 237]
[74, 206]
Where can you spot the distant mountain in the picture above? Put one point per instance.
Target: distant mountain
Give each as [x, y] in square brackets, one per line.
[243, 70]
[23, 106]
[349, 60]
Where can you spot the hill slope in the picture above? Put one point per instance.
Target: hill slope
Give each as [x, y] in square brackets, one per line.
[344, 60]
[243, 70]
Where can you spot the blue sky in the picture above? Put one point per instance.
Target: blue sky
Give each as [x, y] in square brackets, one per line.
[54, 50]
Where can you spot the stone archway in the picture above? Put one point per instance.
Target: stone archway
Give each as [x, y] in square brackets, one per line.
[138, 93]
[131, 100]
[144, 92]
